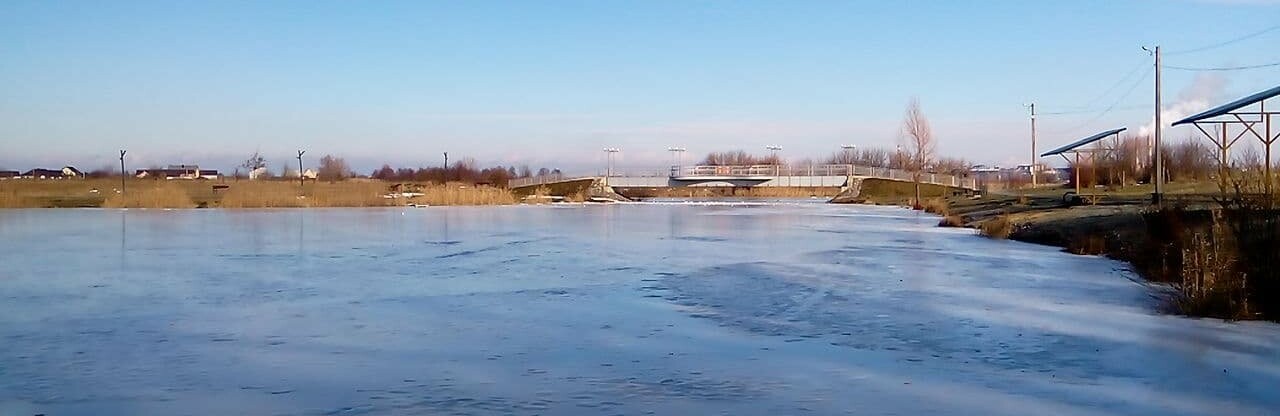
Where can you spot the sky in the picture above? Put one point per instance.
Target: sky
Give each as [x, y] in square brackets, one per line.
[552, 83]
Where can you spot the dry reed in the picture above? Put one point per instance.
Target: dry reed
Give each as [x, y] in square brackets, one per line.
[999, 227]
[162, 196]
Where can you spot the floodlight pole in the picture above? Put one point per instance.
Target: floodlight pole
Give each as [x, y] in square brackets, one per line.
[608, 153]
[122, 172]
[848, 156]
[777, 164]
[677, 156]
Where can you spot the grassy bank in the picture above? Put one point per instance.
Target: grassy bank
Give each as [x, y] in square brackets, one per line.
[142, 193]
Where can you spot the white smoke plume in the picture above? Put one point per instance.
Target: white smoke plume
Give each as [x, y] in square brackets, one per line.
[1205, 91]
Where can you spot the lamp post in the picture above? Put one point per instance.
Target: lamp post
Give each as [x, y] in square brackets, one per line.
[776, 163]
[848, 155]
[677, 156]
[609, 152]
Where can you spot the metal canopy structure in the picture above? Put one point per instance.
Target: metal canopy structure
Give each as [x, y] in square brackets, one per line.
[1077, 147]
[1215, 124]
[1082, 142]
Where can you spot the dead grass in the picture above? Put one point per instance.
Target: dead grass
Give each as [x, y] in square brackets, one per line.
[951, 221]
[152, 193]
[580, 196]
[10, 198]
[465, 195]
[999, 227]
[1088, 244]
[936, 206]
[164, 195]
[261, 195]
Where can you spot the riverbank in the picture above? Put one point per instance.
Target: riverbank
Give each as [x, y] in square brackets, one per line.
[1217, 260]
[105, 193]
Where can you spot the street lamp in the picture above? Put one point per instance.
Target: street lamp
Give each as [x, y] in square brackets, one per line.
[848, 155]
[848, 152]
[774, 149]
[677, 156]
[776, 163]
[609, 152]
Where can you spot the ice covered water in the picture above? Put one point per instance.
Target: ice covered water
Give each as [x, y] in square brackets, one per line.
[766, 309]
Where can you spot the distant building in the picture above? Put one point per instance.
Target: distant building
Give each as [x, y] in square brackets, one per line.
[188, 172]
[41, 173]
[259, 173]
[306, 174]
[9, 174]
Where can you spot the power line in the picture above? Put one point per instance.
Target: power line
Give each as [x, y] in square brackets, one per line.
[1087, 111]
[1113, 105]
[1088, 107]
[1221, 68]
[1224, 43]
[1118, 82]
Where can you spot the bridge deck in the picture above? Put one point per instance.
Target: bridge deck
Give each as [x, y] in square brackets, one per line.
[756, 175]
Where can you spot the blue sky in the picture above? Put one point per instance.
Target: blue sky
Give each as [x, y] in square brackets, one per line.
[552, 82]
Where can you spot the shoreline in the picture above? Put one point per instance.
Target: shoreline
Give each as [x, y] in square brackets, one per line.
[1210, 259]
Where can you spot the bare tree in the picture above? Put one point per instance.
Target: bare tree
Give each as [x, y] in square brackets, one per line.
[333, 169]
[254, 161]
[739, 158]
[952, 166]
[919, 142]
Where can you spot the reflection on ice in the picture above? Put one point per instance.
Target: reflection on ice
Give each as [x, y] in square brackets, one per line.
[666, 308]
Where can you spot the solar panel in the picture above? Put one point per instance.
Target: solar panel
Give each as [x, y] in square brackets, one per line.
[1083, 142]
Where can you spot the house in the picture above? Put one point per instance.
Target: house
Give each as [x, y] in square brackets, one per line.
[259, 173]
[306, 174]
[41, 173]
[9, 174]
[177, 172]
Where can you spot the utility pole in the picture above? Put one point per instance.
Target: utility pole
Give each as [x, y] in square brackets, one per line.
[122, 172]
[1155, 152]
[301, 179]
[446, 167]
[1033, 144]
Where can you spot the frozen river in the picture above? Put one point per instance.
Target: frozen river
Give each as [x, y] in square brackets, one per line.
[749, 309]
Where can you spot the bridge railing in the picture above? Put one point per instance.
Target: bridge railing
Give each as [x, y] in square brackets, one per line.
[537, 180]
[760, 171]
[819, 170]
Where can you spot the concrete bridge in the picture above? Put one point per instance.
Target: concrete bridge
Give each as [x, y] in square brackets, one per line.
[755, 176]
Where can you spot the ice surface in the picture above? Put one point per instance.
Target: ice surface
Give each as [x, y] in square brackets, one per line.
[668, 308]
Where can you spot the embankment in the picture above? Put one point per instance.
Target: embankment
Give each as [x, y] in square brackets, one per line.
[1219, 260]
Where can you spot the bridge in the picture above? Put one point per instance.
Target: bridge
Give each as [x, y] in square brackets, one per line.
[754, 176]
